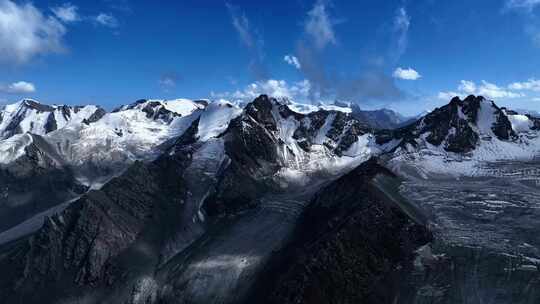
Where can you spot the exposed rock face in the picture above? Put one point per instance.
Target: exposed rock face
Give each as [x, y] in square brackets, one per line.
[265, 138]
[380, 119]
[536, 122]
[109, 246]
[158, 109]
[351, 245]
[32, 116]
[457, 127]
[95, 117]
[34, 182]
[155, 110]
[84, 247]
[502, 128]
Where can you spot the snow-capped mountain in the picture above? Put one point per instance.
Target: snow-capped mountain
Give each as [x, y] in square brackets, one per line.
[33, 178]
[30, 116]
[228, 161]
[94, 142]
[129, 133]
[62, 150]
[459, 136]
[222, 191]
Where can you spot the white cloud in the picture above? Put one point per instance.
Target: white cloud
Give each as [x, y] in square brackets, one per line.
[26, 33]
[406, 74]
[530, 25]
[319, 26]
[448, 95]
[491, 90]
[529, 85]
[528, 5]
[298, 91]
[486, 89]
[168, 81]
[402, 22]
[66, 13]
[253, 42]
[107, 20]
[467, 87]
[292, 60]
[241, 24]
[20, 87]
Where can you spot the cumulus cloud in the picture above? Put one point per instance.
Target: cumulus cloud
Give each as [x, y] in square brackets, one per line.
[298, 91]
[18, 88]
[529, 85]
[292, 60]
[527, 5]
[250, 40]
[66, 13]
[406, 74]
[319, 25]
[447, 95]
[107, 20]
[486, 89]
[25, 32]
[491, 90]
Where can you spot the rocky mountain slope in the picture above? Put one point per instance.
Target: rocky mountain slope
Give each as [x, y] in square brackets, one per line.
[354, 243]
[207, 202]
[178, 228]
[382, 118]
[457, 138]
[31, 116]
[53, 154]
[36, 179]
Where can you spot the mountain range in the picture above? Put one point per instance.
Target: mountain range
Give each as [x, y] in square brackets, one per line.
[198, 201]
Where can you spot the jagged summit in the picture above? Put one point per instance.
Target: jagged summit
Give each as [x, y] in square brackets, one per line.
[460, 126]
[162, 173]
[31, 116]
[463, 133]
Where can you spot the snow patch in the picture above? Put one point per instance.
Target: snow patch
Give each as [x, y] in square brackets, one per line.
[215, 119]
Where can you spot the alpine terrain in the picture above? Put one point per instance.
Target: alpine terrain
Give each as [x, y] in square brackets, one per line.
[209, 201]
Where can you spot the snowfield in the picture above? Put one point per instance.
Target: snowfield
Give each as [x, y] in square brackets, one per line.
[136, 131]
[427, 159]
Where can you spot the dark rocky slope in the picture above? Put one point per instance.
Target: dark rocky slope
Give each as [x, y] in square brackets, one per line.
[117, 244]
[450, 126]
[253, 144]
[35, 182]
[28, 108]
[95, 244]
[380, 119]
[353, 244]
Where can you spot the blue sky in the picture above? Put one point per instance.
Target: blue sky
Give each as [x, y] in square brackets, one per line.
[406, 55]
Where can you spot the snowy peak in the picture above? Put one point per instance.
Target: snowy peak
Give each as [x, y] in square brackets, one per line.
[302, 142]
[462, 125]
[31, 116]
[164, 110]
[335, 130]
